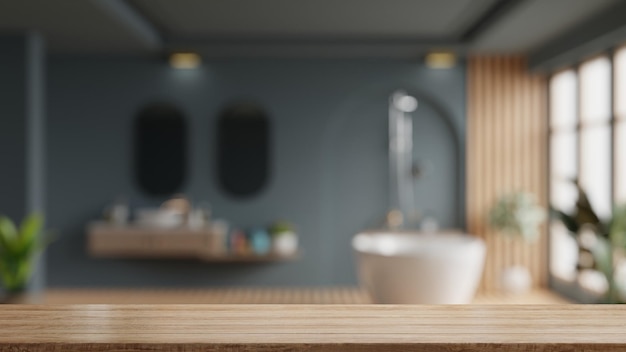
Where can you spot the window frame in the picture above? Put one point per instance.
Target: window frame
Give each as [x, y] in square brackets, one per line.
[617, 118]
[572, 289]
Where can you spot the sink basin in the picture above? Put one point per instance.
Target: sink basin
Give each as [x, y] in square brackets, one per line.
[419, 268]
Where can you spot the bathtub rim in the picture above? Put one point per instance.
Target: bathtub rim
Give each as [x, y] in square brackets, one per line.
[469, 240]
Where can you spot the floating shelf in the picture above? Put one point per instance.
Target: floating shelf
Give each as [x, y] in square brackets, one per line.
[110, 241]
[249, 258]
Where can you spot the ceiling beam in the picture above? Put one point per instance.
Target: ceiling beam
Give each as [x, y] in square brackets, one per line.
[138, 26]
[495, 13]
[602, 32]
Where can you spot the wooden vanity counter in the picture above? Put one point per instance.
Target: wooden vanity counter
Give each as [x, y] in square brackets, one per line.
[312, 328]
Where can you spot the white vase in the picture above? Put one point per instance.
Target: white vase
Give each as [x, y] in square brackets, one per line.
[285, 243]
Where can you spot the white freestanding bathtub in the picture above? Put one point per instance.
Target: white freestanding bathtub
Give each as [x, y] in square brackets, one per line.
[418, 268]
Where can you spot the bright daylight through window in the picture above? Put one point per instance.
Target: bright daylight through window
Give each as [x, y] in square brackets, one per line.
[587, 144]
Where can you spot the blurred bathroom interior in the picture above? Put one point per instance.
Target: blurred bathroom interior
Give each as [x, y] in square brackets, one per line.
[313, 151]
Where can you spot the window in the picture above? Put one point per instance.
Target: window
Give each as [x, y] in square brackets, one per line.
[620, 126]
[595, 134]
[563, 169]
[588, 143]
[563, 143]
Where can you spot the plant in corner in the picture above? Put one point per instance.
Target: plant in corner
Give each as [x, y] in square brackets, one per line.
[601, 243]
[19, 248]
[518, 216]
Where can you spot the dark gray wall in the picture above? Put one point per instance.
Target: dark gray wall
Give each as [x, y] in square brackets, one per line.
[22, 124]
[329, 170]
[22, 83]
[13, 125]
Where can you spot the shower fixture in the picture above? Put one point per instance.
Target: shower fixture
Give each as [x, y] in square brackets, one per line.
[401, 167]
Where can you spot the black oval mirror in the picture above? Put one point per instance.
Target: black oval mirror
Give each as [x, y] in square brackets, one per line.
[243, 149]
[160, 140]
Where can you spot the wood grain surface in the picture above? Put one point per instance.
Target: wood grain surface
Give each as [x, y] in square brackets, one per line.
[507, 152]
[133, 241]
[312, 328]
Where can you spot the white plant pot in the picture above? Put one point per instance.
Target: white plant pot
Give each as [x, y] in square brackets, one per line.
[285, 243]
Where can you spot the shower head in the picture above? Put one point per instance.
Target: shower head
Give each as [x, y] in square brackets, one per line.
[403, 102]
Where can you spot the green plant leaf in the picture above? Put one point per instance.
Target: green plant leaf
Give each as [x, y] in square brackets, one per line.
[568, 221]
[5, 274]
[30, 229]
[617, 229]
[8, 235]
[26, 249]
[22, 274]
[280, 227]
[585, 215]
[603, 257]
[7, 227]
[18, 250]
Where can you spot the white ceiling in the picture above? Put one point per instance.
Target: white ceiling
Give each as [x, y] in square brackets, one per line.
[405, 26]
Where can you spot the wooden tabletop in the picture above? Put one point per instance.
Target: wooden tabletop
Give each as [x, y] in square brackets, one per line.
[312, 328]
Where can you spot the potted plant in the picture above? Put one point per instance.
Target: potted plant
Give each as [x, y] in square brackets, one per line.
[605, 249]
[518, 216]
[284, 238]
[19, 249]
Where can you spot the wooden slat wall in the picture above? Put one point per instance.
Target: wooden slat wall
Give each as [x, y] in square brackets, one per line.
[506, 152]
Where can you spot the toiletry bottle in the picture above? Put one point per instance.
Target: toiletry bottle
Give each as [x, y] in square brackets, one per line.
[260, 241]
